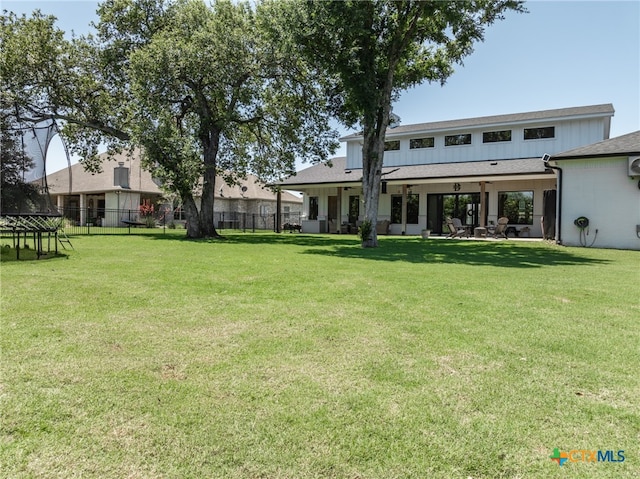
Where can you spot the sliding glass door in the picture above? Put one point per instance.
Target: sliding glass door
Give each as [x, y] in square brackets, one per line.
[465, 206]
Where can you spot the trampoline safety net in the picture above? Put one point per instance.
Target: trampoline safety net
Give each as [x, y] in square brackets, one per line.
[25, 204]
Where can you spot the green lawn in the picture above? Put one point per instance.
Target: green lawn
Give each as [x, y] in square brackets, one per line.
[297, 356]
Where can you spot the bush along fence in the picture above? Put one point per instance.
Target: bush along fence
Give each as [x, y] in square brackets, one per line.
[83, 221]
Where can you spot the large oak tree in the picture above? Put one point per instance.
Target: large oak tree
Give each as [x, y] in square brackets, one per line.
[203, 90]
[375, 49]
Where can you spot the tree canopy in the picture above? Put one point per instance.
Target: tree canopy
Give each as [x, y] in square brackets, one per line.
[235, 87]
[375, 49]
[204, 90]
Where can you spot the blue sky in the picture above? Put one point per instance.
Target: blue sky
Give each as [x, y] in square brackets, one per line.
[560, 54]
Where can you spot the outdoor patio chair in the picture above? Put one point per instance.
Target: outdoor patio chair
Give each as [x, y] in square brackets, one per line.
[500, 229]
[458, 224]
[456, 230]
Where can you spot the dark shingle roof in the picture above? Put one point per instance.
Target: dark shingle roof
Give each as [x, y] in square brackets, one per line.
[467, 169]
[580, 111]
[322, 174]
[628, 144]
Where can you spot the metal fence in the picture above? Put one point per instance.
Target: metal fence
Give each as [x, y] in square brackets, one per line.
[86, 221]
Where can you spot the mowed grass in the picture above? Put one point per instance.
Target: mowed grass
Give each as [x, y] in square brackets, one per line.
[300, 356]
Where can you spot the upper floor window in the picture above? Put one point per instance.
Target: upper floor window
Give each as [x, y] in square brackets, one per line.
[415, 143]
[392, 145]
[539, 133]
[453, 140]
[496, 136]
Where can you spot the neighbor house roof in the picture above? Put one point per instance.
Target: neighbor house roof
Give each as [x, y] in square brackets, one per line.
[253, 190]
[140, 180]
[628, 144]
[487, 121]
[86, 182]
[323, 174]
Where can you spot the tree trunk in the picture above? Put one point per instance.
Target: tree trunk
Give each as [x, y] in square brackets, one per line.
[373, 153]
[191, 213]
[210, 149]
[372, 161]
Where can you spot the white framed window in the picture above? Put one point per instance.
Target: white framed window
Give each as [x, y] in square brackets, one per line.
[392, 145]
[456, 140]
[416, 143]
[539, 133]
[496, 136]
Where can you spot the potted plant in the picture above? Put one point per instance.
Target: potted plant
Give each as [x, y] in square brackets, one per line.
[425, 233]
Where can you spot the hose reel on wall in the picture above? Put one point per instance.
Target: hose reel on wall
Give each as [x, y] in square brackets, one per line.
[582, 223]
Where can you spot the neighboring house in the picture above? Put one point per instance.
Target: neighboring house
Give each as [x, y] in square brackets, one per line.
[252, 201]
[86, 198]
[600, 182]
[476, 169]
[114, 196]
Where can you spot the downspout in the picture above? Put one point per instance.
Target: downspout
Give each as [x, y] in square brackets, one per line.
[546, 159]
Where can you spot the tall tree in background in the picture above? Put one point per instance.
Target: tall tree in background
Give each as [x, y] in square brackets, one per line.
[376, 49]
[202, 90]
[215, 94]
[44, 76]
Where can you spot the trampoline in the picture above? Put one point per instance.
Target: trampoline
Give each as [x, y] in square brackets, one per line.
[26, 209]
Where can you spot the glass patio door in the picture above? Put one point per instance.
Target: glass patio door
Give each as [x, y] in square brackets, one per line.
[465, 206]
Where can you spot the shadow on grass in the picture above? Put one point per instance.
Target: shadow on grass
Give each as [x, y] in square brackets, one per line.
[505, 254]
[266, 238]
[9, 255]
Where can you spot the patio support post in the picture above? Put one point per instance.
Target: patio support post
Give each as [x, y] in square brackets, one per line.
[83, 209]
[339, 208]
[278, 209]
[483, 205]
[118, 219]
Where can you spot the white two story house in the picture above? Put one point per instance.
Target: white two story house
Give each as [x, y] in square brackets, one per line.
[475, 169]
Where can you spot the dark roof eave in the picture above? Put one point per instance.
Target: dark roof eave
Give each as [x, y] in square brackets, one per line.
[598, 155]
[522, 173]
[291, 186]
[547, 172]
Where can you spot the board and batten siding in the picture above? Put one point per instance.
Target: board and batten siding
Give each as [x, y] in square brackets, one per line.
[569, 134]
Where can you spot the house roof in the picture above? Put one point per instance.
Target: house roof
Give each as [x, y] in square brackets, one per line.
[323, 174]
[628, 144]
[140, 180]
[83, 181]
[602, 110]
[255, 190]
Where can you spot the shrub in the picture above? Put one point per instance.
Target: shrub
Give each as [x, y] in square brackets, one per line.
[365, 230]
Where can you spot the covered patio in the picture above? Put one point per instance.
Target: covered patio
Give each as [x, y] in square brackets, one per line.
[421, 197]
